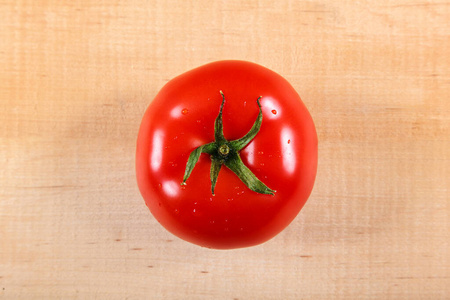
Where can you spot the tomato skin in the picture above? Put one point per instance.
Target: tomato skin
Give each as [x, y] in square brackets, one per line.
[283, 155]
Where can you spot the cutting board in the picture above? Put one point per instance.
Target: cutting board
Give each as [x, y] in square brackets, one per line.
[77, 76]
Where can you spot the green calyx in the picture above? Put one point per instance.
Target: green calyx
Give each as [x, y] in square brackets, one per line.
[223, 152]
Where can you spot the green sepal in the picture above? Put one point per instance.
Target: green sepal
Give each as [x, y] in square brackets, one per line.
[235, 164]
[194, 156]
[216, 165]
[218, 124]
[242, 142]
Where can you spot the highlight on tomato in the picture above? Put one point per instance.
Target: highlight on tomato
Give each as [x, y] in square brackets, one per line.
[226, 155]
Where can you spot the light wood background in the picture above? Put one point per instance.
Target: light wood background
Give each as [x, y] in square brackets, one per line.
[76, 77]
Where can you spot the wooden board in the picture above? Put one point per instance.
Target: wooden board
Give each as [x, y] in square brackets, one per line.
[76, 77]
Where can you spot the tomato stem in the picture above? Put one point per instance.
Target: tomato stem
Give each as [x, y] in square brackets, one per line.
[223, 152]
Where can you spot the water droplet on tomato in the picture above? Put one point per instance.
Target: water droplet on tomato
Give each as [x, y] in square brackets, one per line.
[184, 111]
[176, 211]
[274, 111]
[289, 141]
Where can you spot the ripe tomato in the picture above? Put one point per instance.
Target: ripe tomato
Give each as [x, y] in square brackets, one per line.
[278, 161]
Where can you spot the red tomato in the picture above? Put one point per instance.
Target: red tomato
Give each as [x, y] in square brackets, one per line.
[282, 154]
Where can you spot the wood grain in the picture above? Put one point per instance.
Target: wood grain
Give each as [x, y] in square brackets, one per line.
[76, 77]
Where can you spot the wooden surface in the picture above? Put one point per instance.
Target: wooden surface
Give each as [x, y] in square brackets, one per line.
[76, 77]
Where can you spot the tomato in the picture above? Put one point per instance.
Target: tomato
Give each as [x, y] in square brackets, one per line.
[232, 196]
